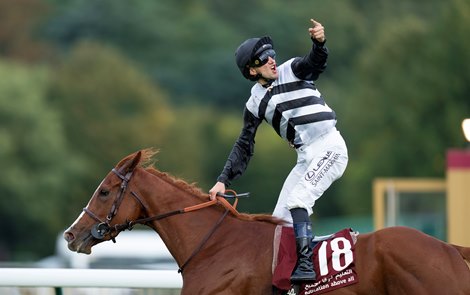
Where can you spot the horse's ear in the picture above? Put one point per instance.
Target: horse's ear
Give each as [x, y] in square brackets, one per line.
[135, 160]
[132, 163]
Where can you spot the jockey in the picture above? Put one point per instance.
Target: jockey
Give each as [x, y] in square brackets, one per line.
[286, 97]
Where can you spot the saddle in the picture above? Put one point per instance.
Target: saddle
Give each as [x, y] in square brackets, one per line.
[333, 261]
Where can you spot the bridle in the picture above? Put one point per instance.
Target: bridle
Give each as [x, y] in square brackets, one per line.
[99, 230]
[103, 228]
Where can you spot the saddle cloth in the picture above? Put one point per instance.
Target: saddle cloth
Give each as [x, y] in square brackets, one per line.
[333, 260]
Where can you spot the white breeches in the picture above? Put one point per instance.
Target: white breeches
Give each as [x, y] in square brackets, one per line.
[319, 164]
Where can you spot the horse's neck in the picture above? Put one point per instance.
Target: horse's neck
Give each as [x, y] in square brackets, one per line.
[184, 232]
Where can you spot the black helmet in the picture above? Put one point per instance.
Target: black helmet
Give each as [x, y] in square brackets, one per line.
[250, 54]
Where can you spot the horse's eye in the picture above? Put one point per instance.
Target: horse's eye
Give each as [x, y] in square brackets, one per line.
[104, 193]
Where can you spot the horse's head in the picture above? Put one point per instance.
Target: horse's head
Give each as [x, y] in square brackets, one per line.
[109, 210]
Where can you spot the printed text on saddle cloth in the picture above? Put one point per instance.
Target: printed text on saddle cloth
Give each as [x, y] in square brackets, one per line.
[333, 260]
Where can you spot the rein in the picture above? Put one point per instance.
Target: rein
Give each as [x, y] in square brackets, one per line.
[102, 228]
[130, 224]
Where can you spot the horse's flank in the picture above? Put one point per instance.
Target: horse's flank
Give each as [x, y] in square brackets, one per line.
[147, 162]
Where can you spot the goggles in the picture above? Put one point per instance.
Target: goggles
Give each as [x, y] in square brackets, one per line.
[262, 56]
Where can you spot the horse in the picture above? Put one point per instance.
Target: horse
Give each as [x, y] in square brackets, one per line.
[221, 251]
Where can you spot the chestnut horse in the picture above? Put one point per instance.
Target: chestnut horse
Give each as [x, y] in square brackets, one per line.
[222, 252]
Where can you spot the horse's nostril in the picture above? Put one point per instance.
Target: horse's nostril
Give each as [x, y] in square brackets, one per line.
[68, 236]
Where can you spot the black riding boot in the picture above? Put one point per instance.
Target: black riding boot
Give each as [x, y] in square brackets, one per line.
[304, 268]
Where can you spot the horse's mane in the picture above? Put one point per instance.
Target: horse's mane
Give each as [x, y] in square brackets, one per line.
[147, 163]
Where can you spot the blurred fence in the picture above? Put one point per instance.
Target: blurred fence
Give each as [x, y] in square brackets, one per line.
[89, 278]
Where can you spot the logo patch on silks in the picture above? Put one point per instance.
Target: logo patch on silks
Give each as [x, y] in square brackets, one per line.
[334, 263]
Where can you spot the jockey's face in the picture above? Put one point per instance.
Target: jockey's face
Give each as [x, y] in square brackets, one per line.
[268, 71]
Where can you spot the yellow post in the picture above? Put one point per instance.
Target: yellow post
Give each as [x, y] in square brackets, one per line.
[458, 196]
[381, 187]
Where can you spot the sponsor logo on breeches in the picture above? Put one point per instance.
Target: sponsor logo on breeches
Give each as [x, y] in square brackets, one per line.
[315, 175]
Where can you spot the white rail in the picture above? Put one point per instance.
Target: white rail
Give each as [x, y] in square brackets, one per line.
[99, 278]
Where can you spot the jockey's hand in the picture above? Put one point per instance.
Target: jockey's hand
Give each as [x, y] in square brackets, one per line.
[317, 31]
[219, 187]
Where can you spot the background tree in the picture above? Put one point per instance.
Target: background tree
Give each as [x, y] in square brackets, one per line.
[18, 36]
[36, 167]
[109, 109]
[409, 110]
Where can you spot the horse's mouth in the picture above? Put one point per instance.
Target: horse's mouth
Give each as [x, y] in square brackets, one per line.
[82, 246]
